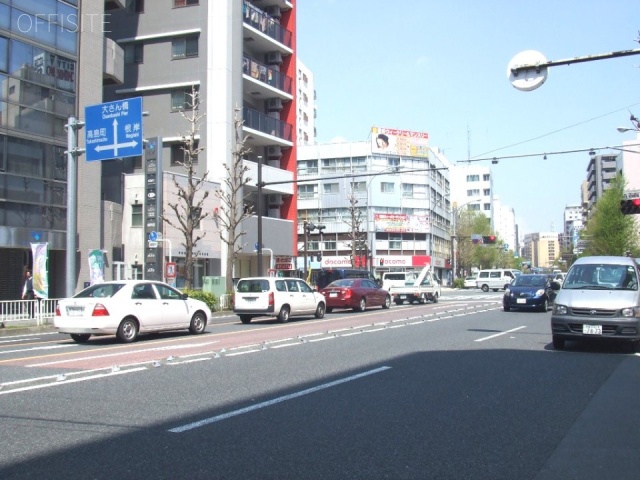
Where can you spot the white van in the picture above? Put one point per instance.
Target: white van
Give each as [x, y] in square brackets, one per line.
[494, 279]
[599, 298]
[397, 279]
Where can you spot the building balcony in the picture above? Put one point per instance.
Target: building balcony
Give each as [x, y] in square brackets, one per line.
[263, 81]
[262, 29]
[263, 130]
[113, 67]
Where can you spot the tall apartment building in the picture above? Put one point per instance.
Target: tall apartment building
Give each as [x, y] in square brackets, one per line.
[601, 169]
[240, 56]
[472, 188]
[54, 59]
[397, 194]
[306, 106]
[542, 249]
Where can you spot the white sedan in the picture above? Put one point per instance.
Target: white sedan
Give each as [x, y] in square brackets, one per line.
[126, 308]
[470, 282]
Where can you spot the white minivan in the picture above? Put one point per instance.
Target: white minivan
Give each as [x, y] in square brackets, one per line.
[494, 279]
[276, 297]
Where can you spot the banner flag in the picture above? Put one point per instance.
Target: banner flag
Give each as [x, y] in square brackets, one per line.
[40, 253]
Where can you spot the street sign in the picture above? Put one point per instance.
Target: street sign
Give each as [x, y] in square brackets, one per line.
[153, 236]
[113, 129]
[152, 244]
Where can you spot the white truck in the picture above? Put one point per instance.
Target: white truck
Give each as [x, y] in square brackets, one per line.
[422, 288]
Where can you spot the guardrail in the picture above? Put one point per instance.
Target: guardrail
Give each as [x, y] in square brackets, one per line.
[27, 312]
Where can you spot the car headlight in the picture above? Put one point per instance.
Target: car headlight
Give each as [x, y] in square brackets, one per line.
[540, 292]
[630, 312]
[559, 309]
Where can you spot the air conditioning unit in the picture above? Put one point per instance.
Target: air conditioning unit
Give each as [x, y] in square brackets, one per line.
[274, 104]
[274, 151]
[274, 58]
[273, 11]
[274, 200]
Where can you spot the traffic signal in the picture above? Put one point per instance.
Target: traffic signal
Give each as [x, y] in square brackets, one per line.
[630, 207]
[489, 239]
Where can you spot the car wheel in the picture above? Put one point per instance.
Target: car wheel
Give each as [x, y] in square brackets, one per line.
[558, 343]
[329, 309]
[485, 288]
[320, 309]
[545, 306]
[128, 330]
[283, 316]
[387, 302]
[245, 318]
[435, 297]
[198, 323]
[362, 306]
[422, 298]
[506, 307]
[80, 337]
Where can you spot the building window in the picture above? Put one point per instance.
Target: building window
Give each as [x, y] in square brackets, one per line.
[185, 3]
[133, 53]
[395, 242]
[473, 193]
[487, 207]
[387, 187]
[136, 215]
[358, 187]
[473, 178]
[330, 188]
[181, 100]
[178, 155]
[486, 177]
[184, 47]
[307, 191]
[487, 192]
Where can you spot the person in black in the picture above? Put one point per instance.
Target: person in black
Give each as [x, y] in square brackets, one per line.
[27, 291]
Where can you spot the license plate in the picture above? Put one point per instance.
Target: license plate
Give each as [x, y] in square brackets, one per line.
[74, 311]
[333, 294]
[592, 329]
[403, 297]
[521, 300]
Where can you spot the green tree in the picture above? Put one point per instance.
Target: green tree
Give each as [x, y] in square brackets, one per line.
[608, 231]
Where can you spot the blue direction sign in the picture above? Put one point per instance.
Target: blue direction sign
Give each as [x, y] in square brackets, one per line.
[153, 236]
[113, 129]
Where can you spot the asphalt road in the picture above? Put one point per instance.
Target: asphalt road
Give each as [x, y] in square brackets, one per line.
[458, 389]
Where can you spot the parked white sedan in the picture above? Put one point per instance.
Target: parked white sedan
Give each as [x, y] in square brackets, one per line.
[126, 308]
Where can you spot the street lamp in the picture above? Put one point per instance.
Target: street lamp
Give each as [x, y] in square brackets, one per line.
[259, 207]
[625, 129]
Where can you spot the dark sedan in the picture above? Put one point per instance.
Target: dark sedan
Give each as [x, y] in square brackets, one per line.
[533, 291]
[355, 293]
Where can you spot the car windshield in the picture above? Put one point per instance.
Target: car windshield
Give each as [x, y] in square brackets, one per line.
[345, 282]
[601, 276]
[529, 281]
[100, 290]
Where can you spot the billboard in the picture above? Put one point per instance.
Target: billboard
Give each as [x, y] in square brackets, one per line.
[392, 141]
[400, 222]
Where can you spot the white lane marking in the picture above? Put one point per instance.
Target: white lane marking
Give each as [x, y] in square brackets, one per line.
[499, 334]
[73, 380]
[118, 354]
[33, 349]
[224, 416]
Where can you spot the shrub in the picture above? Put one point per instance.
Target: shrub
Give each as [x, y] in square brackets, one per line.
[458, 283]
[209, 298]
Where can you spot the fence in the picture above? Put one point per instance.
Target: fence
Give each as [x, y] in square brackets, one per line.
[27, 312]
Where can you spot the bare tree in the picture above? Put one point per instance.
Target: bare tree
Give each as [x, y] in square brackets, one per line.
[188, 207]
[234, 208]
[355, 234]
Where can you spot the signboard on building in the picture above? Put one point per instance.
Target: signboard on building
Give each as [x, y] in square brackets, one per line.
[400, 222]
[113, 129]
[392, 141]
[284, 262]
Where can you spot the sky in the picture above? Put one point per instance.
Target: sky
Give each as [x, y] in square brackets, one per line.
[441, 67]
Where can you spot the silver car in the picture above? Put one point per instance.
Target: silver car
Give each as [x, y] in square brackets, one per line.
[599, 298]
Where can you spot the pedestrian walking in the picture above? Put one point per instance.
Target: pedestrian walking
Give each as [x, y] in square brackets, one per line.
[28, 293]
